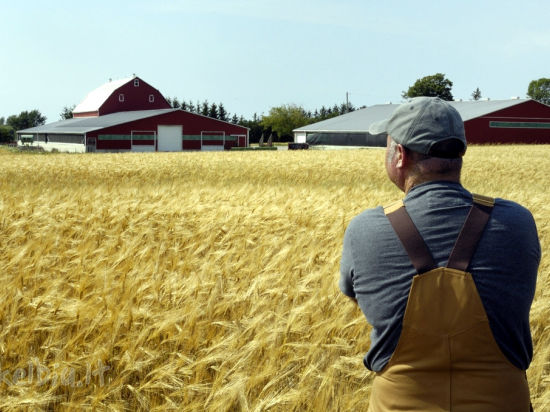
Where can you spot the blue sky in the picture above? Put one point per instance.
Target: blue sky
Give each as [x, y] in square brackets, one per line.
[254, 55]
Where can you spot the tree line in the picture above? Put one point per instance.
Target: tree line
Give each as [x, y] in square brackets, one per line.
[23, 120]
[278, 124]
[281, 120]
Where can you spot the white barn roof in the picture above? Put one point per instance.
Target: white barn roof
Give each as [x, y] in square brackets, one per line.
[93, 101]
[360, 120]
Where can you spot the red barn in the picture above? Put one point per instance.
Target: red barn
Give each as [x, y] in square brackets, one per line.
[506, 121]
[131, 115]
[121, 96]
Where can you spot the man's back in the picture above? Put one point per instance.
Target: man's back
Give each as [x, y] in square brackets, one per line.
[376, 270]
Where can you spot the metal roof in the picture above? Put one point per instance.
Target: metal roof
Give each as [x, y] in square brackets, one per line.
[93, 101]
[472, 109]
[360, 120]
[81, 125]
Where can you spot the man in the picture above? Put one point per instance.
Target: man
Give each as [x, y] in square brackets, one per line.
[449, 313]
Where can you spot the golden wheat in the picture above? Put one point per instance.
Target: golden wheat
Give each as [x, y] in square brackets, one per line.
[207, 281]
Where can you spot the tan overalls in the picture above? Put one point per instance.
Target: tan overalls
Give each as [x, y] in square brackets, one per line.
[446, 358]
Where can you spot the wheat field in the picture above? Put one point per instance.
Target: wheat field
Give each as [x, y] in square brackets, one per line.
[207, 281]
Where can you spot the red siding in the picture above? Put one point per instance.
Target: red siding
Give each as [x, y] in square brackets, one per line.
[192, 125]
[135, 98]
[478, 130]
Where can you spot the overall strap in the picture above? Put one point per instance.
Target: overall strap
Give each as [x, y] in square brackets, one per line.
[412, 241]
[470, 233]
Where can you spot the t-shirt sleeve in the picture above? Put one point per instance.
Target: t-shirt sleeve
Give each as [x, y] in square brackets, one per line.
[346, 267]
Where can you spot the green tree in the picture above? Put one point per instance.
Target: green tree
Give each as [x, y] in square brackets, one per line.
[204, 108]
[213, 111]
[255, 126]
[67, 112]
[222, 113]
[539, 90]
[176, 103]
[283, 119]
[235, 119]
[476, 95]
[26, 120]
[346, 108]
[436, 85]
[2, 121]
[7, 134]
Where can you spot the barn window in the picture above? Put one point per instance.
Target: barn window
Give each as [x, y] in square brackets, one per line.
[151, 98]
[136, 82]
[121, 97]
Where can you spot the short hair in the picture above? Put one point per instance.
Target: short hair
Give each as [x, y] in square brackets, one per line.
[432, 164]
[447, 149]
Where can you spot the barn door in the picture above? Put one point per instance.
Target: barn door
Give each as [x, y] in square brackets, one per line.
[90, 144]
[169, 138]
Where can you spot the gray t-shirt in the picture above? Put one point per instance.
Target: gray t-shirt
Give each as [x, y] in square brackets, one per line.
[376, 270]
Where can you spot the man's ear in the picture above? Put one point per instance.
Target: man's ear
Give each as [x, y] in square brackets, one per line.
[401, 156]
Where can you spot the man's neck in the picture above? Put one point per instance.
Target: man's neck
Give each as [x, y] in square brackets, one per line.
[413, 181]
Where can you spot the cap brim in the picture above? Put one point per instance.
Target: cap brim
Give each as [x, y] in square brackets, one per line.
[379, 127]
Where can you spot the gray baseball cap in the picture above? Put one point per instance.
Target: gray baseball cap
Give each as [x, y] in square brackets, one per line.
[427, 125]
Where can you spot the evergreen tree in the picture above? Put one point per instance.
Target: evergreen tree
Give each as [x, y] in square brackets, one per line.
[235, 119]
[213, 111]
[343, 109]
[476, 95]
[222, 113]
[204, 108]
